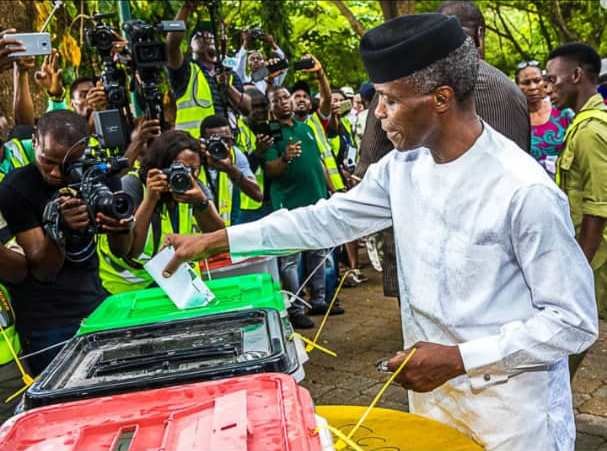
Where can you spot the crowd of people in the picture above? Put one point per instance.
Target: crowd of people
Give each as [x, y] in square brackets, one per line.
[280, 168]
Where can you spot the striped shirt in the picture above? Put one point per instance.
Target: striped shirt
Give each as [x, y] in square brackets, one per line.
[499, 102]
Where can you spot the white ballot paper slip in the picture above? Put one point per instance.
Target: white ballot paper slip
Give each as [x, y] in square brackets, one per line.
[185, 288]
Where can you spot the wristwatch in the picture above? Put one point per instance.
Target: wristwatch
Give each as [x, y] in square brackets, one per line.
[200, 206]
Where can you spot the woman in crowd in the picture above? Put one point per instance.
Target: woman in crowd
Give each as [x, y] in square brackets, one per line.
[169, 198]
[548, 124]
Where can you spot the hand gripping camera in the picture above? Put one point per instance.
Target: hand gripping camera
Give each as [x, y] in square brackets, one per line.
[217, 147]
[92, 175]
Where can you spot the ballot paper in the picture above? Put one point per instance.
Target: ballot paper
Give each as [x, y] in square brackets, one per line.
[185, 288]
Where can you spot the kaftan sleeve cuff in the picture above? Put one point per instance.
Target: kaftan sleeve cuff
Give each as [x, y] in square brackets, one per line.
[245, 238]
[480, 353]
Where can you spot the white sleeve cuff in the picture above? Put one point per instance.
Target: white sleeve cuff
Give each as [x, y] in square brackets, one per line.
[480, 352]
[245, 238]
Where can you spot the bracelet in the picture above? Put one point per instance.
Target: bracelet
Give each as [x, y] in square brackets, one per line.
[58, 98]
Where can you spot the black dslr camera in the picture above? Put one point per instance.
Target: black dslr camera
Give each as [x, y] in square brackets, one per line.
[101, 37]
[179, 177]
[92, 175]
[217, 147]
[148, 58]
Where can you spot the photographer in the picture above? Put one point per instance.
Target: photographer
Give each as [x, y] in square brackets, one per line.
[318, 120]
[169, 198]
[62, 284]
[227, 171]
[201, 87]
[256, 60]
[298, 180]
[254, 146]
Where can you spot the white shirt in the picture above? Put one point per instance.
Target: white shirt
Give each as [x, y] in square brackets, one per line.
[487, 260]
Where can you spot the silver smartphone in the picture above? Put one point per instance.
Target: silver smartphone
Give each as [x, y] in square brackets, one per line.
[34, 43]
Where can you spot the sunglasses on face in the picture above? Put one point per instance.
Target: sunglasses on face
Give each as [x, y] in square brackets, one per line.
[524, 64]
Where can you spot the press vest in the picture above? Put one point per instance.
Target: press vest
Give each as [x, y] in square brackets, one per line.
[195, 104]
[119, 275]
[15, 156]
[222, 193]
[9, 338]
[326, 154]
[247, 142]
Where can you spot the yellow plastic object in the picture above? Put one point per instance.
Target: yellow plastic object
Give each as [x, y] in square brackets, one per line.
[391, 429]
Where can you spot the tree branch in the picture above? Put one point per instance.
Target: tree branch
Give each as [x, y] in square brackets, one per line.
[509, 36]
[347, 13]
[545, 32]
[561, 24]
[388, 8]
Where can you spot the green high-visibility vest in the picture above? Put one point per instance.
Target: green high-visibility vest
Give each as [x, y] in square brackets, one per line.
[8, 337]
[119, 275]
[223, 194]
[326, 153]
[16, 155]
[195, 104]
[246, 142]
[335, 141]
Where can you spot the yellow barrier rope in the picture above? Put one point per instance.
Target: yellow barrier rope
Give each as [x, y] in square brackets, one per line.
[342, 437]
[27, 379]
[311, 346]
[341, 444]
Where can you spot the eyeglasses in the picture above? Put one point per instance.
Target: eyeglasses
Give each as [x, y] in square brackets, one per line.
[524, 64]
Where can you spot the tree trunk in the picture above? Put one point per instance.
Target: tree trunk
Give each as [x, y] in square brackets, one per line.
[395, 8]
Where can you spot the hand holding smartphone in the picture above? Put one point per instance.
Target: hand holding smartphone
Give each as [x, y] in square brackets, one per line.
[33, 44]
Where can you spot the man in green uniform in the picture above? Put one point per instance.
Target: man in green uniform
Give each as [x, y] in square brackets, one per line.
[573, 71]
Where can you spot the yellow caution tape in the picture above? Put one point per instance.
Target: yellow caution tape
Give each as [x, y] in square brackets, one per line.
[341, 444]
[312, 344]
[27, 379]
[342, 437]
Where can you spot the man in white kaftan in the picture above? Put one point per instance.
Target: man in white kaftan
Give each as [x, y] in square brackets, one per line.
[489, 269]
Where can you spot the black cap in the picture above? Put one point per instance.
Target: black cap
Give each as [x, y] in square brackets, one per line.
[407, 44]
[301, 85]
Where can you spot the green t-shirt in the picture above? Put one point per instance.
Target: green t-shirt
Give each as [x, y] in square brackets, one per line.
[303, 183]
[15, 156]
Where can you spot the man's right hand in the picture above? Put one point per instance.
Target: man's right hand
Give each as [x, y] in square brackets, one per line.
[292, 151]
[194, 247]
[263, 143]
[7, 48]
[74, 213]
[96, 98]
[146, 130]
[49, 75]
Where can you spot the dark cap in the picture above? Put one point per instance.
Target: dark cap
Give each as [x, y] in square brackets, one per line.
[407, 44]
[301, 85]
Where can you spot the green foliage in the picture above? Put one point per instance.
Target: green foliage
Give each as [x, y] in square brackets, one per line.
[516, 29]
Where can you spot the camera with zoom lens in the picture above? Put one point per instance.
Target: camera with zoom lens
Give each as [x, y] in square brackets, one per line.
[92, 175]
[178, 177]
[217, 147]
[148, 56]
[101, 37]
